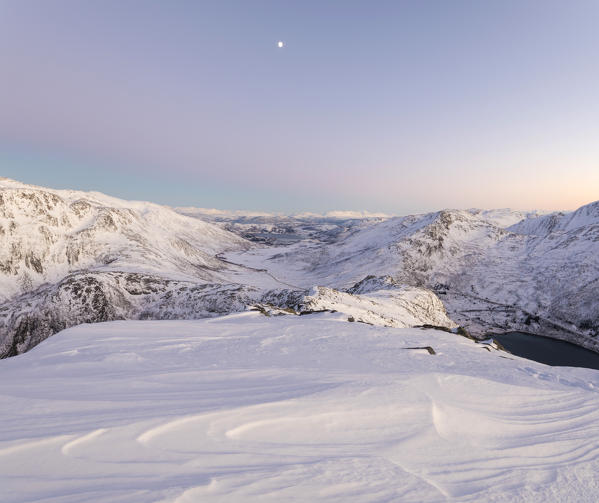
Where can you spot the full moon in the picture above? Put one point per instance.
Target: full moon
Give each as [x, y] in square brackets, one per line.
[280, 44]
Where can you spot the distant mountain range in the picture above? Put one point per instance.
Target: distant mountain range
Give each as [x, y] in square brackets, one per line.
[69, 257]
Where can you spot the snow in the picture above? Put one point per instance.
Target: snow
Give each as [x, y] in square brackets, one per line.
[213, 213]
[265, 405]
[494, 270]
[218, 213]
[543, 225]
[347, 214]
[66, 230]
[290, 408]
[493, 274]
[392, 307]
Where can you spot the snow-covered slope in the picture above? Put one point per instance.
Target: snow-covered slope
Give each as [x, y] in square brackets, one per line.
[493, 274]
[394, 306]
[310, 392]
[47, 234]
[543, 225]
[69, 257]
[248, 408]
[89, 297]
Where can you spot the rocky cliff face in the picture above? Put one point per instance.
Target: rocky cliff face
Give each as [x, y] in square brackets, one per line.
[377, 301]
[90, 297]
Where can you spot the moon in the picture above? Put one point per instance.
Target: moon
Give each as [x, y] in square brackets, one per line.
[280, 44]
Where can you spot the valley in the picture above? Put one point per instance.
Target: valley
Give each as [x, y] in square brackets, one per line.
[71, 257]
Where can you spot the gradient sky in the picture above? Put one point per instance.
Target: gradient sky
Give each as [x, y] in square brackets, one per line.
[374, 105]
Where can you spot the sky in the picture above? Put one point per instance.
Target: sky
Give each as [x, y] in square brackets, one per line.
[392, 106]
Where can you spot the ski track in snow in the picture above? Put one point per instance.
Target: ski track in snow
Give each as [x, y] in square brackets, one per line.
[311, 408]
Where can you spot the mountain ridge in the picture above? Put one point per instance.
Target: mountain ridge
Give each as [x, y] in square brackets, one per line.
[69, 257]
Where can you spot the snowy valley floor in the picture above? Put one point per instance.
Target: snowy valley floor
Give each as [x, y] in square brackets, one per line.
[247, 408]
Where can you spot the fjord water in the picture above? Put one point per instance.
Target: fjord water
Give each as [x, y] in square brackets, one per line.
[549, 351]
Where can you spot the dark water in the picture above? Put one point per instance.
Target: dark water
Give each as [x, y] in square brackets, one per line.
[548, 351]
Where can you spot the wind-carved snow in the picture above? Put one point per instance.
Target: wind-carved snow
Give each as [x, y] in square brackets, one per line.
[248, 408]
[313, 391]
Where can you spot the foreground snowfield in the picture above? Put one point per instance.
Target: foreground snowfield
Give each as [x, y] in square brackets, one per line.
[290, 408]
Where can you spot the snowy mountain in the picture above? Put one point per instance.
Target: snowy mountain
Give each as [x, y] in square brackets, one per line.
[70, 257]
[495, 270]
[584, 217]
[47, 234]
[347, 372]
